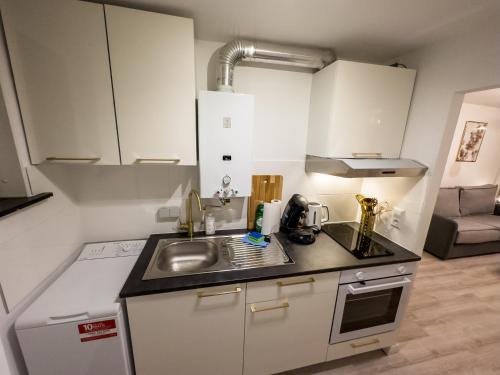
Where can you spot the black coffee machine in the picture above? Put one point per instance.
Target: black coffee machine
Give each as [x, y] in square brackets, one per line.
[292, 218]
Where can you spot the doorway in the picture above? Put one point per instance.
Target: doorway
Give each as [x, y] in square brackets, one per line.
[466, 218]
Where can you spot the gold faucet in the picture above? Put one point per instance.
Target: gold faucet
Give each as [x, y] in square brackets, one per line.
[189, 225]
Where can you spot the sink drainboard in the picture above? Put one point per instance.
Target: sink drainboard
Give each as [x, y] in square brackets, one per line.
[243, 255]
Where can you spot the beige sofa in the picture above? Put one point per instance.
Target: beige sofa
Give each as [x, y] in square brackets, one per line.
[466, 222]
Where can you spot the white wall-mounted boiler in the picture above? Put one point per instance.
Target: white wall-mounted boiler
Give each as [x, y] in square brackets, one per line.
[225, 141]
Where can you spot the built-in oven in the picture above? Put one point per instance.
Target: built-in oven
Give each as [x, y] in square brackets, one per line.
[371, 301]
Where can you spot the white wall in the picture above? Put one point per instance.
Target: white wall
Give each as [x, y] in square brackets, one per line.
[11, 178]
[5, 358]
[485, 169]
[4, 366]
[35, 240]
[444, 72]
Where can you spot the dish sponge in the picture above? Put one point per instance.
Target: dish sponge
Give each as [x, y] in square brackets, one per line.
[255, 238]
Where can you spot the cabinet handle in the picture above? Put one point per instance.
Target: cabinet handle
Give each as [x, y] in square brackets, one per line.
[91, 160]
[367, 155]
[284, 305]
[372, 342]
[156, 161]
[203, 294]
[309, 280]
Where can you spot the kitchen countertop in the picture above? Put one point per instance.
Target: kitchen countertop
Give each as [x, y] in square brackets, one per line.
[324, 255]
[10, 205]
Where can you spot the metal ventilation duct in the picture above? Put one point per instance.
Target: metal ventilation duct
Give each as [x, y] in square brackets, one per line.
[237, 50]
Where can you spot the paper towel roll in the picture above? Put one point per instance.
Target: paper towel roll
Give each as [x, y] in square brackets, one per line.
[272, 216]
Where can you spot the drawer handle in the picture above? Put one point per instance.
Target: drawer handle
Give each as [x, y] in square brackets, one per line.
[372, 342]
[203, 294]
[91, 160]
[309, 280]
[366, 154]
[254, 309]
[156, 161]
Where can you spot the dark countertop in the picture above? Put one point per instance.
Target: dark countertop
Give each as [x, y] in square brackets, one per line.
[10, 205]
[324, 255]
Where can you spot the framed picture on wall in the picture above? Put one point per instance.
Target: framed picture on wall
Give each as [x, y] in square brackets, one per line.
[471, 141]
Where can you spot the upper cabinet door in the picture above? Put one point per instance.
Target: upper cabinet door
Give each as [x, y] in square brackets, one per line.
[60, 62]
[359, 110]
[152, 63]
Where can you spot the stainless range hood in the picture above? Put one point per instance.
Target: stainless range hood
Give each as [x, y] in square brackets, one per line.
[352, 168]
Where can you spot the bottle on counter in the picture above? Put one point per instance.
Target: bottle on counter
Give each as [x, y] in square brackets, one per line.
[259, 216]
[209, 224]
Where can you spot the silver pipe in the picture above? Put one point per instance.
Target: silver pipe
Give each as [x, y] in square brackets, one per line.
[237, 50]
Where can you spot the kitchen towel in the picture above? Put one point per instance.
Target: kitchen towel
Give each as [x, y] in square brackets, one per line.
[272, 216]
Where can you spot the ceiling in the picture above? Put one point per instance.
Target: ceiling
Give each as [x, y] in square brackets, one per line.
[365, 30]
[486, 97]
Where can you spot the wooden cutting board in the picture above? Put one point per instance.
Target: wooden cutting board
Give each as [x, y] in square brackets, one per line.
[264, 188]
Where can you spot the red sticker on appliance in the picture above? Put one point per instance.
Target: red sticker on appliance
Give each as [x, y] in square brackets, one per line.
[97, 330]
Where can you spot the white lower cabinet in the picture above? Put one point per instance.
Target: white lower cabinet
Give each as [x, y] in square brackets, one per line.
[188, 332]
[291, 331]
[261, 327]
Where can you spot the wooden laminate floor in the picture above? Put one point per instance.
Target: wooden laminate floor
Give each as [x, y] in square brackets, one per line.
[452, 325]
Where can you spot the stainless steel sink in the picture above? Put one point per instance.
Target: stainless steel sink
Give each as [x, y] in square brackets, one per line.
[177, 257]
[189, 256]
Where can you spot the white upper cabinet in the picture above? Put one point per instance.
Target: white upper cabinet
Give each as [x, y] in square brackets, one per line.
[359, 110]
[152, 63]
[59, 58]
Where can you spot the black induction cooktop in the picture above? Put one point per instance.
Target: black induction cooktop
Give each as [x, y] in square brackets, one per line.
[357, 244]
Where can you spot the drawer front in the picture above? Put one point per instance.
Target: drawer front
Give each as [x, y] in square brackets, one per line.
[362, 345]
[292, 287]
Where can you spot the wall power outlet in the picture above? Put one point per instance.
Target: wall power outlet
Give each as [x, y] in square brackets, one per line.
[397, 217]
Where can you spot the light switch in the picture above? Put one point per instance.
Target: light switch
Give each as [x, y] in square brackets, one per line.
[175, 211]
[170, 212]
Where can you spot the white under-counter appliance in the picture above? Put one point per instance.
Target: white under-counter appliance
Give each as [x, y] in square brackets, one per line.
[78, 325]
[371, 300]
[225, 132]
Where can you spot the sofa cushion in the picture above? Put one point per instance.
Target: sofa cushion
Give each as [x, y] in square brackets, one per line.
[490, 220]
[477, 199]
[470, 231]
[447, 203]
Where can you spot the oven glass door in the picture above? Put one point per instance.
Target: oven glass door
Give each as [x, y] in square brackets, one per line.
[368, 308]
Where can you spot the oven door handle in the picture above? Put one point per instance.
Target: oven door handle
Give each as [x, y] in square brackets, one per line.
[374, 288]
